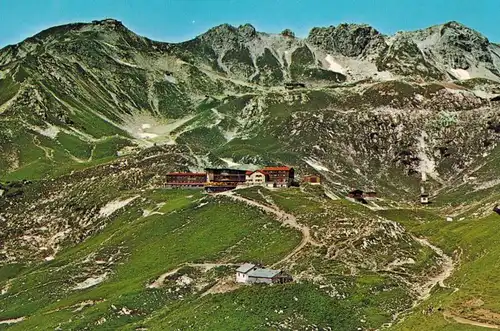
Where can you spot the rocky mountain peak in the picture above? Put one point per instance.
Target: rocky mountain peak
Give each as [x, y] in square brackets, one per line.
[229, 33]
[105, 25]
[454, 27]
[460, 34]
[247, 31]
[108, 22]
[288, 33]
[456, 46]
[346, 39]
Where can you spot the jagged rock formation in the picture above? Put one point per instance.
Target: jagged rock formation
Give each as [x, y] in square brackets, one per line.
[351, 40]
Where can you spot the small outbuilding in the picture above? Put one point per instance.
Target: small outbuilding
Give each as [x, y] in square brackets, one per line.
[312, 179]
[252, 274]
[424, 198]
[294, 85]
[497, 210]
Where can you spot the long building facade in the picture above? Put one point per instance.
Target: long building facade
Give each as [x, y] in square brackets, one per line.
[186, 179]
[219, 180]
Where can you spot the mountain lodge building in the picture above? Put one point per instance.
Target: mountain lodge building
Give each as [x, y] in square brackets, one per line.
[279, 176]
[186, 179]
[219, 180]
[257, 177]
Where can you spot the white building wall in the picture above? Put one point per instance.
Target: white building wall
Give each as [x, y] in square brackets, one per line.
[241, 277]
[256, 178]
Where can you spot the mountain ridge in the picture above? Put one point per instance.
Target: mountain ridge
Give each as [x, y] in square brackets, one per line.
[351, 34]
[85, 85]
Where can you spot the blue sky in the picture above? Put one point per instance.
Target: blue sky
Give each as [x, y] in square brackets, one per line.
[178, 20]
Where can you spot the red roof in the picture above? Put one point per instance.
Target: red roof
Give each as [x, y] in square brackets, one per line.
[249, 172]
[186, 174]
[277, 168]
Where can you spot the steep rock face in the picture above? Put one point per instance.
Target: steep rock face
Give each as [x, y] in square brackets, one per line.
[228, 46]
[404, 58]
[352, 40]
[455, 46]
[495, 54]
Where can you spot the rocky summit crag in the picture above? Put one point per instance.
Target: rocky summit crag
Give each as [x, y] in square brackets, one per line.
[92, 116]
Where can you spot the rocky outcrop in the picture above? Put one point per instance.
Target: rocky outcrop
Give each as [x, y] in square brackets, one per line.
[455, 46]
[351, 40]
[405, 58]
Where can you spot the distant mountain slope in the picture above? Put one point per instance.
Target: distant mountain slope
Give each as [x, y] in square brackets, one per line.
[375, 111]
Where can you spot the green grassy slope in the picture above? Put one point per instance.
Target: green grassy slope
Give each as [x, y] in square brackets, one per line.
[136, 250]
[473, 291]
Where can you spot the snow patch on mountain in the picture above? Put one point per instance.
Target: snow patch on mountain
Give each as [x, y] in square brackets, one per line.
[170, 79]
[230, 162]
[316, 164]
[115, 205]
[460, 74]
[50, 131]
[91, 281]
[334, 66]
[124, 63]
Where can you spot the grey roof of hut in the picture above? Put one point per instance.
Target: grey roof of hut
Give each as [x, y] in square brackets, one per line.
[263, 273]
[244, 268]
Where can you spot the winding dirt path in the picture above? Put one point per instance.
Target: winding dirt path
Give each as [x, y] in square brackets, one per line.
[424, 291]
[13, 320]
[284, 218]
[207, 266]
[463, 320]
